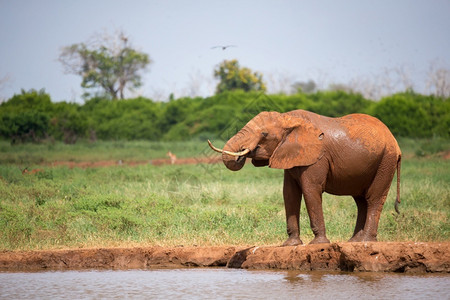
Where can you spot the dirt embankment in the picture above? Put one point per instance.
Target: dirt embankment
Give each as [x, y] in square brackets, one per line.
[374, 257]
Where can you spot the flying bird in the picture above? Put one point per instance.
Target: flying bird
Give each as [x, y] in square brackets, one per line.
[223, 47]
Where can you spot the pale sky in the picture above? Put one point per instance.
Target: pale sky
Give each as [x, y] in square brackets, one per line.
[327, 41]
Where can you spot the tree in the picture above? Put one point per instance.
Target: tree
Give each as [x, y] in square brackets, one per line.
[305, 87]
[110, 63]
[3, 82]
[233, 77]
[439, 81]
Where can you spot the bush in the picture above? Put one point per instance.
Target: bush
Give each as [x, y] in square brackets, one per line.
[31, 116]
[123, 120]
[68, 123]
[25, 117]
[414, 115]
[338, 103]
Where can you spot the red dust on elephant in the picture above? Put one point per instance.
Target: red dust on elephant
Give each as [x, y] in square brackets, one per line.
[353, 155]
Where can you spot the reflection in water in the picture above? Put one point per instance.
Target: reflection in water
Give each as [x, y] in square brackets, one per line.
[326, 285]
[221, 283]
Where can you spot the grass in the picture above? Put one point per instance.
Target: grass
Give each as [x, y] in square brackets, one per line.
[171, 205]
[28, 154]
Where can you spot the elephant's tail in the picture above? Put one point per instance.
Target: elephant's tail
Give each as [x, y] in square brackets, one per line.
[397, 201]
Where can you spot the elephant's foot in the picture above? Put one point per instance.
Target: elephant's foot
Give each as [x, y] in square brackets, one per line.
[320, 240]
[293, 241]
[361, 236]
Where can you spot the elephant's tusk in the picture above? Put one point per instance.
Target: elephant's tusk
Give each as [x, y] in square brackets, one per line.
[242, 153]
[214, 148]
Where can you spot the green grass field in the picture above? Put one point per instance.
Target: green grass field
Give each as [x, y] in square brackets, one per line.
[199, 204]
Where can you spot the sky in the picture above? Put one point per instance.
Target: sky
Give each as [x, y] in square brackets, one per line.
[391, 44]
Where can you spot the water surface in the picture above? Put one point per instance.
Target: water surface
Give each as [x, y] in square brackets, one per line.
[221, 284]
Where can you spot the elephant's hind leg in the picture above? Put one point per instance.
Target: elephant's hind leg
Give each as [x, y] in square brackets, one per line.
[361, 203]
[375, 197]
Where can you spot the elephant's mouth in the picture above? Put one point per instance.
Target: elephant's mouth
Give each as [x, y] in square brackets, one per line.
[240, 154]
[241, 159]
[234, 161]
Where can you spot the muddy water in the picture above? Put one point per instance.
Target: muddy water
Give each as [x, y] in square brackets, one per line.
[221, 284]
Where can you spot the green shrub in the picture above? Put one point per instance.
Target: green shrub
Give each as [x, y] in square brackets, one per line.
[31, 116]
[338, 103]
[25, 117]
[413, 115]
[68, 123]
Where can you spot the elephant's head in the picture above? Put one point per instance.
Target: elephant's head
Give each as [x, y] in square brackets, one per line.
[281, 141]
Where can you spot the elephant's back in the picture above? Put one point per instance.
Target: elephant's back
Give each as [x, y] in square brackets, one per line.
[369, 130]
[359, 124]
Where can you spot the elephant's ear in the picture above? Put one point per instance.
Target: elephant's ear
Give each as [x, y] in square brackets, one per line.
[301, 146]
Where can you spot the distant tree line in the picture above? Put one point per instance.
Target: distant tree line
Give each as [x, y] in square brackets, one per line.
[108, 65]
[32, 117]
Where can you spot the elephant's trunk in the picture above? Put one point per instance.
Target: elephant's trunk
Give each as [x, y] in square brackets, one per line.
[233, 163]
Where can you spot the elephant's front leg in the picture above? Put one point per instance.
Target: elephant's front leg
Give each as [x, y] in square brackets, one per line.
[292, 195]
[313, 200]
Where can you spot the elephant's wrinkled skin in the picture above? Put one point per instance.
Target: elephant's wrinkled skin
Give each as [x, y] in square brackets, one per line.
[354, 155]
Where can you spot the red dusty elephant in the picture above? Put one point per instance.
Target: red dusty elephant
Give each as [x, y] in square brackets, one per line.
[353, 155]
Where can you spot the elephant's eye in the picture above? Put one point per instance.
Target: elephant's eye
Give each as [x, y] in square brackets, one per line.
[264, 134]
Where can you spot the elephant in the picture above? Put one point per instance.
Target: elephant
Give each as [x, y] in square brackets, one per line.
[353, 155]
